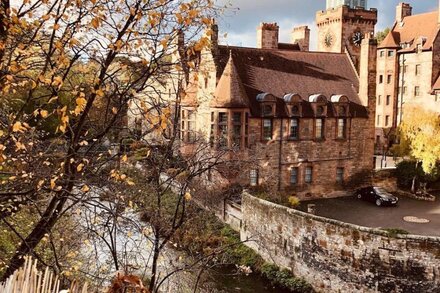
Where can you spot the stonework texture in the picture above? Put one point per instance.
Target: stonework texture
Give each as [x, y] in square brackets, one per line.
[339, 257]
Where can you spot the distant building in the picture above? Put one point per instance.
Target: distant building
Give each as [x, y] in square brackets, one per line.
[350, 3]
[408, 70]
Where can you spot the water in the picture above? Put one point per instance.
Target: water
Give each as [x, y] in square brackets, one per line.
[226, 280]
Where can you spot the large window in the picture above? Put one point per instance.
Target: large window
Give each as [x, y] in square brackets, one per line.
[319, 128]
[340, 175]
[308, 175]
[236, 124]
[294, 129]
[267, 129]
[342, 128]
[222, 129]
[253, 176]
[294, 176]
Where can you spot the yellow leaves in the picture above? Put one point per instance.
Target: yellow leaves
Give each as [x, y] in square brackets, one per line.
[187, 196]
[85, 188]
[56, 26]
[45, 17]
[80, 105]
[115, 110]
[100, 93]
[124, 158]
[18, 127]
[44, 113]
[57, 81]
[96, 22]
[53, 183]
[80, 167]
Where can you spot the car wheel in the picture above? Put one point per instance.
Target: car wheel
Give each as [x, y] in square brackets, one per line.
[378, 202]
[359, 196]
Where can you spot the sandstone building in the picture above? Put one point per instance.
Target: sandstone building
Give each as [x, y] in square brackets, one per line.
[408, 70]
[298, 120]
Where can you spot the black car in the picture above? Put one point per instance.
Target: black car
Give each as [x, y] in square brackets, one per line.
[378, 195]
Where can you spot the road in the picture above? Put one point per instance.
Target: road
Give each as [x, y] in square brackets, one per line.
[363, 213]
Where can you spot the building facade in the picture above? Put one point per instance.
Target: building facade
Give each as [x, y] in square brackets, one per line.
[294, 120]
[408, 69]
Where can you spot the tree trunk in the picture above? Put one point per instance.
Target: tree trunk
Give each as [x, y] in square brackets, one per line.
[4, 24]
[154, 264]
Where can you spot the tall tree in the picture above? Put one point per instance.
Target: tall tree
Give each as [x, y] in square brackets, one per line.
[79, 65]
[420, 137]
[381, 35]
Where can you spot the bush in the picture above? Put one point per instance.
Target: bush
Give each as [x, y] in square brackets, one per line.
[294, 201]
[284, 278]
[406, 170]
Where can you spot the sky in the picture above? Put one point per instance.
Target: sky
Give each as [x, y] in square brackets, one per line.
[240, 22]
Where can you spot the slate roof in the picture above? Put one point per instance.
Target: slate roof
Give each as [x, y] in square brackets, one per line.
[280, 72]
[410, 29]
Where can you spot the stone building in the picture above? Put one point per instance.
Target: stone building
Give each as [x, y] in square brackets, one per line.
[408, 69]
[295, 120]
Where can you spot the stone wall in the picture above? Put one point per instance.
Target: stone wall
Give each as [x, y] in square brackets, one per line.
[338, 257]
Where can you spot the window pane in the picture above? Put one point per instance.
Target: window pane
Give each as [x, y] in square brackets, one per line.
[308, 175]
[340, 175]
[319, 129]
[267, 129]
[267, 110]
[254, 177]
[223, 118]
[237, 135]
[341, 128]
[294, 176]
[294, 129]
[236, 117]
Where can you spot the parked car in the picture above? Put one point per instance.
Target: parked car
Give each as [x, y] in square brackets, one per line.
[378, 195]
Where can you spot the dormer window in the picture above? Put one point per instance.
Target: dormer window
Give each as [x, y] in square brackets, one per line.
[294, 110]
[320, 110]
[268, 110]
[342, 111]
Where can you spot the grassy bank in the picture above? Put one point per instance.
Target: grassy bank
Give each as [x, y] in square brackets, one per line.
[206, 235]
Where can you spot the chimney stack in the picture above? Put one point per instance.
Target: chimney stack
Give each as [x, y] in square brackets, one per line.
[403, 10]
[301, 36]
[367, 72]
[267, 36]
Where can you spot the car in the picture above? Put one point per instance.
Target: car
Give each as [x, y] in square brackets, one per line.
[378, 195]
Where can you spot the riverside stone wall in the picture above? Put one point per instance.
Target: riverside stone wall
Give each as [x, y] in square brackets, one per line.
[339, 257]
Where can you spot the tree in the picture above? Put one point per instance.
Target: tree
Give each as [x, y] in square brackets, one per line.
[381, 35]
[81, 65]
[420, 138]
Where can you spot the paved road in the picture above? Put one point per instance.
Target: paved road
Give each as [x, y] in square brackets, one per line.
[352, 210]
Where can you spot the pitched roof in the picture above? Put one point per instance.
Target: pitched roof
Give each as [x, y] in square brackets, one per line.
[390, 41]
[413, 27]
[230, 92]
[280, 72]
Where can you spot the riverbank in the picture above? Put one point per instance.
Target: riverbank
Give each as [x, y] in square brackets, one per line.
[206, 236]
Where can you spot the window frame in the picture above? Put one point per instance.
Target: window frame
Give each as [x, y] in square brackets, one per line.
[308, 175]
[263, 129]
[322, 128]
[291, 128]
[341, 133]
[340, 175]
[253, 177]
[294, 172]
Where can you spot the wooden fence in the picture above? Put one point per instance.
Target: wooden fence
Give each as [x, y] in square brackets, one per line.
[28, 279]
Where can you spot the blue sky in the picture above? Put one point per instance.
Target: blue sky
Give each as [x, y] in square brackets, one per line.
[240, 23]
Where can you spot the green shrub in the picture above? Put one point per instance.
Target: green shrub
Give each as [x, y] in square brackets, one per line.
[284, 278]
[406, 170]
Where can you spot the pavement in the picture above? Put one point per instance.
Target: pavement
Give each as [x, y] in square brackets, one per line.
[364, 213]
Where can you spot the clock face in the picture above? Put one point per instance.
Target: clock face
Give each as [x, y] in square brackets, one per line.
[328, 39]
[357, 38]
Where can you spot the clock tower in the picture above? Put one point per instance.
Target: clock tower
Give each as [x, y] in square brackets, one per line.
[343, 25]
